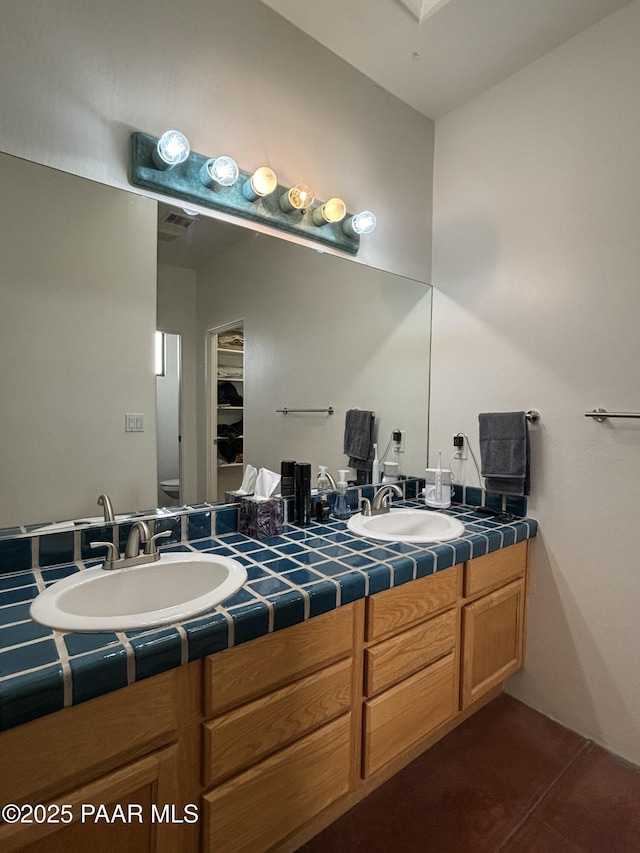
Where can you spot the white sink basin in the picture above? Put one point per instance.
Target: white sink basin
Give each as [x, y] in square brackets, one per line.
[177, 586]
[407, 525]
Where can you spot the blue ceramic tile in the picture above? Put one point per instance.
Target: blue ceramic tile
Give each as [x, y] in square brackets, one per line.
[463, 550]
[353, 587]
[15, 555]
[379, 579]
[410, 489]
[28, 657]
[264, 554]
[253, 572]
[401, 547]
[174, 549]
[292, 548]
[380, 554]
[6, 532]
[51, 575]
[17, 580]
[330, 568]
[98, 673]
[403, 569]
[14, 613]
[24, 632]
[249, 622]
[308, 558]
[249, 545]
[479, 546]
[32, 695]
[508, 536]
[288, 609]
[357, 561]
[322, 597]
[473, 496]
[15, 596]
[226, 520]
[368, 492]
[360, 545]
[56, 548]
[302, 576]
[231, 538]
[334, 551]
[492, 500]
[269, 586]
[338, 536]
[198, 525]
[446, 556]
[213, 546]
[78, 644]
[516, 505]
[284, 564]
[242, 596]
[495, 540]
[206, 636]
[157, 652]
[425, 563]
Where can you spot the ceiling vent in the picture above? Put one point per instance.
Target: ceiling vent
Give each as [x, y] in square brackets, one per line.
[173, 224]
[423, 9]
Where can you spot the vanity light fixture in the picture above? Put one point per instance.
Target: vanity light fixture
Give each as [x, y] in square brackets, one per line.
[222, 171]
[263, 182]
[168, 167]
[172, 149]
[362, 223]
[333, 210]
[299, 198]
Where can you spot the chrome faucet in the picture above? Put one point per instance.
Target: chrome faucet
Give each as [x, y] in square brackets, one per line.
[380, 503]
[105, 502]
[139, 536]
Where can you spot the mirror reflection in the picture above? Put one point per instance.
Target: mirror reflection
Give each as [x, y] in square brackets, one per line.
[90, 273]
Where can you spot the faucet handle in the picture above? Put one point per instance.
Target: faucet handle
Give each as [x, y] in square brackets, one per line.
[113, 553]
[365, 503]
[150, 545]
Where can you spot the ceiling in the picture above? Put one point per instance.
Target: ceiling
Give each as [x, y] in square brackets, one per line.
[461, 48]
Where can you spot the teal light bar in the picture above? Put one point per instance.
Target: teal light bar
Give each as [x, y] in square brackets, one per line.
[184, 181]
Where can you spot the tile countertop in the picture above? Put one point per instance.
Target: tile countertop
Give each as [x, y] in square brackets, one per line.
[300, 574]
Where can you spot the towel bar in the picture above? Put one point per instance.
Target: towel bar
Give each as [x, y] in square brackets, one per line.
[285, 411]
[533, 416]
[602, 415]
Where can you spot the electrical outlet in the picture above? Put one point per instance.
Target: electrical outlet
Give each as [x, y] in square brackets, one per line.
[401, 448]
[460, 447]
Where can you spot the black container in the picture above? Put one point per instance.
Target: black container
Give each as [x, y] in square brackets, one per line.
[287, 478]
[303, 493]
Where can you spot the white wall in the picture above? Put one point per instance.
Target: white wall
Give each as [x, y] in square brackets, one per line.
[77, 317]
[537, 303]
[318, 333]
[77, 78]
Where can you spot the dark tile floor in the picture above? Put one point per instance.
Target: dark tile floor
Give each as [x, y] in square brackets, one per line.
[509, 780]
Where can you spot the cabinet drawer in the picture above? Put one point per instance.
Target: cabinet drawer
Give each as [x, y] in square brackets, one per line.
[495, 569]
[402, 606]
[256, 668]
[493, 640]
[392, 660]
[407, 712]
[255, 810]
[247, 734]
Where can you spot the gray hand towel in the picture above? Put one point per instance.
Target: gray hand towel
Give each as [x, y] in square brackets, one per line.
[358, 438]
[504, 452]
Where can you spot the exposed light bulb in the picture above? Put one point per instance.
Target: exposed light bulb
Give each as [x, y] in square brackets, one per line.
[297, 198]
[171, 150]
[262, 182]
[222, 170]
[362, 223]
[333, 210]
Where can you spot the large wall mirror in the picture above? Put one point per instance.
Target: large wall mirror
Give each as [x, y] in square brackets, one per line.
[89, 273]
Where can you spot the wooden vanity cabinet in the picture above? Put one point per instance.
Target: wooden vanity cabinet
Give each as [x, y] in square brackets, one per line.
[281, 744]
[493, 623]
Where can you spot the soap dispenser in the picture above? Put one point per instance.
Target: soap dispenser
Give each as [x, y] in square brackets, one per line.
[341, 508]
[322, 505]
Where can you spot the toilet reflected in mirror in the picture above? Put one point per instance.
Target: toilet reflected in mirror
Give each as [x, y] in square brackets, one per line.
[168, 417]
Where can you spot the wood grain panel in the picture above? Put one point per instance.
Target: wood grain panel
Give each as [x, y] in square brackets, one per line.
[392, 660]
[493, 640]
[407, 712]
[400, 607]
[255, 668]
[247, 734]
[495, 569]
[254, 811]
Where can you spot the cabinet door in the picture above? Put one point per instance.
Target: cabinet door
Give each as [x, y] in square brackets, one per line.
[122, 816]
[493, 640]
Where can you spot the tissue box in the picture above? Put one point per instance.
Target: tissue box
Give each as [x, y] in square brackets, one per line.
[233, 497]
[261, 519]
